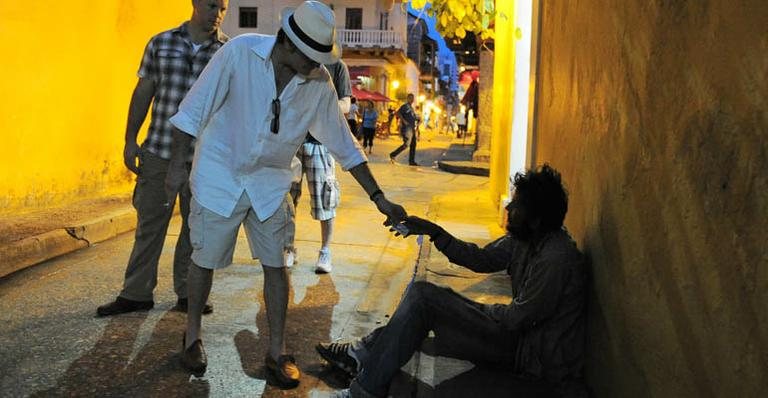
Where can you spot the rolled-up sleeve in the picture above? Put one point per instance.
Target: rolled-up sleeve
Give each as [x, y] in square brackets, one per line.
[207, 94]
[331, 129]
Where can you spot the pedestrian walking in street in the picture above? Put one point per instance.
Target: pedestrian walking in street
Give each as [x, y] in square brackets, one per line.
[352, 118]
[370, 118]
[320, 168]
[540, 334]
[408, 122]
[461, 120]
[248, 128]
[171, 63]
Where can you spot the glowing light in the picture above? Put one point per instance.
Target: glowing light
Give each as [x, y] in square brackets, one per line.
[422, 98]
[395, 84]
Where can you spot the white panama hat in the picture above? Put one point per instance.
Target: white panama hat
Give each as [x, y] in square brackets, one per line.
[311, 28]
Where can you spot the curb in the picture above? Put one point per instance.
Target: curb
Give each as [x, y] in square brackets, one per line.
[36, 249]
[465, 167]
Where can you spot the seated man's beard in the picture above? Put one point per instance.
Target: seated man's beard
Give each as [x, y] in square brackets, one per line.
[520, 232]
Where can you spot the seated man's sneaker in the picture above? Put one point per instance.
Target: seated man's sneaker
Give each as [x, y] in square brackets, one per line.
[323, 265]
[339, 355]
[290, 257]
[123, 305]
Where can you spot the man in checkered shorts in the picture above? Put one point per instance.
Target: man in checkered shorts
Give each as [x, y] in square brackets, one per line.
[317, 163]
[171, 63]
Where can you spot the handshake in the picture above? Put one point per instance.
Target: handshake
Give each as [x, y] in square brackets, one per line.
[413, 225]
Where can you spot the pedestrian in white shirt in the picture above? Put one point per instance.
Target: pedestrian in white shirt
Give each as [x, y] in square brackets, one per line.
[248, 127]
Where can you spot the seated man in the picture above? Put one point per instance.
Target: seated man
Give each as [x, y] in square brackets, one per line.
[539, 335]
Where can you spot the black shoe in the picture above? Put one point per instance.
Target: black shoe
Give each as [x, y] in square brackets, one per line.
[337, 354]
[391, 159]
[193, 358]
[183, 303]
[412, 164]
[123, 305]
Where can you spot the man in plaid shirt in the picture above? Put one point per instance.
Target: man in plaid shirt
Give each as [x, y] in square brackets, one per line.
[171, 63]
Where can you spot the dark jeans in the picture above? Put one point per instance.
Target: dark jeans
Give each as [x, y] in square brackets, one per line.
[409, 141]
[462, 330]
[368, 133]
[149, 200]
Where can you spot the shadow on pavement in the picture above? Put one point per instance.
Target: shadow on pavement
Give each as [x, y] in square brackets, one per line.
[108, 370]
[308, 323]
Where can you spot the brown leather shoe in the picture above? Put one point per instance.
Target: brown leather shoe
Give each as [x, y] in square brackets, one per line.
[193, 358]
[285, 370]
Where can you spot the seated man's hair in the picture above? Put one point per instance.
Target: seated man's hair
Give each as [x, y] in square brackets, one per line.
[542, 193]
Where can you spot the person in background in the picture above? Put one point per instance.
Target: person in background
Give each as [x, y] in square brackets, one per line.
[320, 168]
[408, 123]
[370, 117]
[171, 63]
[352, 118]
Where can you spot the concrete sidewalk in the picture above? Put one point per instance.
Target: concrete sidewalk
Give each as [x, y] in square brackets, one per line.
[54, 346]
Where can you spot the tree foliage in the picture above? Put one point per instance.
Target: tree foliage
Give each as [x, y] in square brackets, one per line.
[457, 17]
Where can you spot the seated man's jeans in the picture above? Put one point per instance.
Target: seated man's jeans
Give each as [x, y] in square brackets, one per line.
[462, 330]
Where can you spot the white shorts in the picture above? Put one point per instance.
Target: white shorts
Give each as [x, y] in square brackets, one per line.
[213, 237]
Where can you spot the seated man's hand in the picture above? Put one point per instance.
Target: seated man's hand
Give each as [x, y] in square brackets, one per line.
[418, 226]
[394, 212]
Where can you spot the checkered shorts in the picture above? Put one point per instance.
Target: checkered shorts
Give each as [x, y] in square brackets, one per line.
[320, 168]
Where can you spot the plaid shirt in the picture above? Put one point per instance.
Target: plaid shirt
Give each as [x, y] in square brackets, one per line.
[170, 62]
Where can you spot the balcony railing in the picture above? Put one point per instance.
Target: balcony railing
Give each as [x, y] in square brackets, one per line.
[370, 38]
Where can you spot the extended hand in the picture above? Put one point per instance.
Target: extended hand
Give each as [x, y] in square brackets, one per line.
[419, 226]
[130, 154]
[394, 212]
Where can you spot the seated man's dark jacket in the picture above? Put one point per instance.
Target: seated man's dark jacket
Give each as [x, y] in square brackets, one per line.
[548, 290]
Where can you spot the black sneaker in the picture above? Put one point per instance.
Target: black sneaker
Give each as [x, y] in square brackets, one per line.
[123, 305]
[182, 304]
[337, 354]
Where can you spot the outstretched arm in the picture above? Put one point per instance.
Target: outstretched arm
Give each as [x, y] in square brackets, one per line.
[394, 212]
[491, 258]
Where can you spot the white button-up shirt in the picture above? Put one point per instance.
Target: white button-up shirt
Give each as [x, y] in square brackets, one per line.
[229, 110]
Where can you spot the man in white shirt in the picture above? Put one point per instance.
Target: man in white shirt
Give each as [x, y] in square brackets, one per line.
[248, 127]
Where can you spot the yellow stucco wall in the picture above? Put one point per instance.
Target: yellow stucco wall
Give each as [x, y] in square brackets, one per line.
[68, 73]
[657, 116]
[503, 93]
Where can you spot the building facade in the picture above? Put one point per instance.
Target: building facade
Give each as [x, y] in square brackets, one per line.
[372, 33]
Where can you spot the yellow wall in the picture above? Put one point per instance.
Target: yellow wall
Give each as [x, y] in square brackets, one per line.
[503, 94]
[657, 116]
[68, 72]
